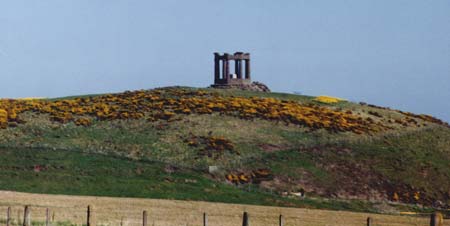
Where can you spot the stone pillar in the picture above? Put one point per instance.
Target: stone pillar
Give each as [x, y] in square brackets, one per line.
[247, 69]
[239, 68]
[216, 68]
[236, 67]
[226, 68]
[223, 68]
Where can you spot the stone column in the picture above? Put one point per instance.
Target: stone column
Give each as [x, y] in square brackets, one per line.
[226, 69]
[216, 68]
[224, 65]
[239, 68]
[236, 67]
[247, 69]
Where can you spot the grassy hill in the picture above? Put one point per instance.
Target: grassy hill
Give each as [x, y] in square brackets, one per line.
[226, 146]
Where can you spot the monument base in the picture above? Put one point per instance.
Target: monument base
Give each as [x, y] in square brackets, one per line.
[254, 86]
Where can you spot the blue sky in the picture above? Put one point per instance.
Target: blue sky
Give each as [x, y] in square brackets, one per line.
[392, 53]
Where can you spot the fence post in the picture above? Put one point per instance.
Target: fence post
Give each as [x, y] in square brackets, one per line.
[369, 221]
[47, 217]
[144, 218]
[90, 216]
[205, 219]
[26, 216]
[19, 215]
[436, 219]
[245, 219]
[8, 216]
[281, 220]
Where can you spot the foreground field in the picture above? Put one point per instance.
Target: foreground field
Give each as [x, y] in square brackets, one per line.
[111, 211]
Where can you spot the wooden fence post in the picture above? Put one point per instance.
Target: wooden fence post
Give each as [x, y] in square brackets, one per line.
[144, 218]
[245, 219]
[8, 216]
[19, 215]
[369, 221]
[90, 216]
[205, 219]
[26, 216]
[47, 217]
[281, 221]
[436, 219]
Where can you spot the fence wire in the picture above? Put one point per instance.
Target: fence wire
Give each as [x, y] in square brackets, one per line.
[165, 216]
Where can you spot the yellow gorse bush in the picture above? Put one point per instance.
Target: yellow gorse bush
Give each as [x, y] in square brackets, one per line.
[31, 98]
[166, 104]
[3, 118]
[328, 99]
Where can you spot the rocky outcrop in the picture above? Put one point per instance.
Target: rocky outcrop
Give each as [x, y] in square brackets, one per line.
[254, 86]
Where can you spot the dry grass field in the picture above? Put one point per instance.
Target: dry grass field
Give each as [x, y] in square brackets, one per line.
[111, 211]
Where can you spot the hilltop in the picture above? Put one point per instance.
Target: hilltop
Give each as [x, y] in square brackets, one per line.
[227, 146]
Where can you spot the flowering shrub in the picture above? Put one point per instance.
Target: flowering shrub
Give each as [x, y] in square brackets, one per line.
[211, 146]
[395, 197]
[83, 122]
[3, 119]
[426, 118]
[31, 98]
[165, 104]
[255, 176]
[328, 99]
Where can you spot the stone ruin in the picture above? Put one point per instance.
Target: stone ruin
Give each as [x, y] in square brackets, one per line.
[240, 79]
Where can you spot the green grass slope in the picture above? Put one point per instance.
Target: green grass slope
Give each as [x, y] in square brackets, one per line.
[407, 163]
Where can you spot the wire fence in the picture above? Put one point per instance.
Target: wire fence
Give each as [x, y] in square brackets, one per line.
[90, 216]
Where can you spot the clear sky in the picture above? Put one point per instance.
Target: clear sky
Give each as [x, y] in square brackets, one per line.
[392, 53]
